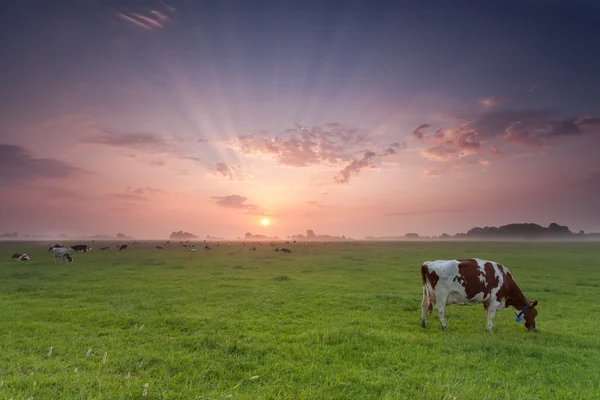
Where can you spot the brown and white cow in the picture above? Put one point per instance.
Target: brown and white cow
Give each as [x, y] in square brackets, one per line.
[20, 257]
[473, 281]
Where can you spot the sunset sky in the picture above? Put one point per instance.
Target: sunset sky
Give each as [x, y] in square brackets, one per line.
[350, 118]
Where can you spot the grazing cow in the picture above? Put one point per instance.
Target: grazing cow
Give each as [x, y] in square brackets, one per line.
[60, 253]
[159, 247]
[104, 248]
[123, 247]
[473, 281]
[191, 249]
[285, 250]
[20, 257]
[207, 247]
[56, 246]
[81, 247]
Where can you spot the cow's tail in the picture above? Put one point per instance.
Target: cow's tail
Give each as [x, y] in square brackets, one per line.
[424, 273]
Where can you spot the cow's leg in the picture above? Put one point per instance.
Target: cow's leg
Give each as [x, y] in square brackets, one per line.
[440, 308]
[425, 304]
[491, 310]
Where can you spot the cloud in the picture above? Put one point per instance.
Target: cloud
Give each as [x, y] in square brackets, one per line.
[154, 19]
[315, 203]
[426, 212]
[220, 168]
[527, 127]
[144, 191]
[419, 131]
[232, 172]
[453, 144]
[492, 101]
[137, 141]
[237, 202]
[301, 147]
[433, 172]
[18, 163]
[355, 167]
[332, 145]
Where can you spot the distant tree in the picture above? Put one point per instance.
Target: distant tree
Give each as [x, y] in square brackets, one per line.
[182, 235]
[310, 233]
[248, 235]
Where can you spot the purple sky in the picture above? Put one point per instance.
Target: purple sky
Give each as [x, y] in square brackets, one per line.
[348, 118]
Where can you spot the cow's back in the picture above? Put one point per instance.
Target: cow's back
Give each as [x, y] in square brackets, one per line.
[464, 281]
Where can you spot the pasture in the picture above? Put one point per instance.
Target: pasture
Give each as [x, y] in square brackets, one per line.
[336, 321]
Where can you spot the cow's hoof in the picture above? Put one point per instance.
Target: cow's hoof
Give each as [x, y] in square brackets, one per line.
[445, 329]
[423, 324]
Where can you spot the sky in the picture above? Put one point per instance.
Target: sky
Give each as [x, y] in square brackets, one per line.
[349, 118]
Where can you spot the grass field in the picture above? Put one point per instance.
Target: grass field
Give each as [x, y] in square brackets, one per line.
[333, 321]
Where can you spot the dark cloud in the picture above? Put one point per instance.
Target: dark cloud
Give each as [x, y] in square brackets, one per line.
[355, 167]
[426, 212]
[222, 169]
[238, 202]
[433, 172]
[528, 127]
[419, 131]
[144, 190]
[495, 123]
[18, 163]
[149, 142]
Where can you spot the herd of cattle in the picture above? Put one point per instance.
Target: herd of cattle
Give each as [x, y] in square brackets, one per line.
[462, 282]
[60, 252]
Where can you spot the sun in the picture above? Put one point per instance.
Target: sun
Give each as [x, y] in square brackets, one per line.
[265, 222]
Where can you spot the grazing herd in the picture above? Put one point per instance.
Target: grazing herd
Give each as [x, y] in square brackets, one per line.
[462, 282]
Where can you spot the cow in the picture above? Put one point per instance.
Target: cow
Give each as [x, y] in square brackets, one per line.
[56, 246]
[159, 247]
[473, 281]
[123, 247]
[20, 257]
[191, 249]
[60, 253]
[81, 247]
[285, 250]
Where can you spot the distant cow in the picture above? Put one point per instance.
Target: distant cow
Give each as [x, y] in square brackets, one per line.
[81, 247]
[473, 281]
[159, 247]
[285, 250]
[56, 246]
[123, 247]
[191, 249]
[104, 248]
[20, 257]
[60, 253]
[207, 247]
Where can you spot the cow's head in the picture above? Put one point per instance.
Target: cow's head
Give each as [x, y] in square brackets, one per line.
[527, 316]
[69, 258]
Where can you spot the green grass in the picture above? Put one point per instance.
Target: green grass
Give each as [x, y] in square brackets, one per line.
[330, 321]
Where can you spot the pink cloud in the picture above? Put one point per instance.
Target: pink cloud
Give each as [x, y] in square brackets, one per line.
[332, 145]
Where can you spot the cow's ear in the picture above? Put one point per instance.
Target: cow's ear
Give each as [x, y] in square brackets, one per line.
[535, 303]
